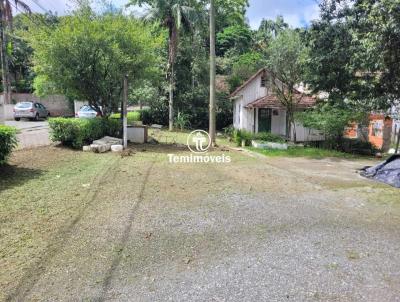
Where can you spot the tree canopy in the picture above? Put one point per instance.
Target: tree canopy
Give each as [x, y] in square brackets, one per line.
[86, 57]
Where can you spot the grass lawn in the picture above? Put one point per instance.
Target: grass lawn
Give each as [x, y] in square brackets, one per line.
[305, 152]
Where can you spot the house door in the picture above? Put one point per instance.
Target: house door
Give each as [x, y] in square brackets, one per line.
[264, 120]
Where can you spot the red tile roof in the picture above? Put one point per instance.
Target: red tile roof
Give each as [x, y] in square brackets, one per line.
[271, 101]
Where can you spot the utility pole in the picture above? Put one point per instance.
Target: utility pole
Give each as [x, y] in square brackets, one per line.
[124, 113]
[212, 72]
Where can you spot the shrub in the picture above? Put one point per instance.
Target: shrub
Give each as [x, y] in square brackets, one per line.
[77, 132]
[269, 137]
[356, 146]
[8, 141]
[182, 121]
[134, 116]
[240, 135]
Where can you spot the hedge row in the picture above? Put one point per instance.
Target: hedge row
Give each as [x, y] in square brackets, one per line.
[134, 116]
[76, 133]
[8, 141]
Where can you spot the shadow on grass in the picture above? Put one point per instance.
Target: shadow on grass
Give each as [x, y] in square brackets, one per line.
[11, 176]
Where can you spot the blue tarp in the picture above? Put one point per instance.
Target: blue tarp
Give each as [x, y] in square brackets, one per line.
[387, 172]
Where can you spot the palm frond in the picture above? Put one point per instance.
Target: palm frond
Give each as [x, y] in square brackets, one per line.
[25, 7]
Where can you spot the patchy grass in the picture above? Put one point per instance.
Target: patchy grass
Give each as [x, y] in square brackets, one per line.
[164, 136]
[305, 152]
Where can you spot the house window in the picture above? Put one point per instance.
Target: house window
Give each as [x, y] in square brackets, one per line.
[264, 80]
[377, 128]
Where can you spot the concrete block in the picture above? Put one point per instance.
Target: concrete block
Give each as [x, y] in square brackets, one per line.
[86, 148]
[269, 145]
[100, 148]
[108, 140]
[117, 148]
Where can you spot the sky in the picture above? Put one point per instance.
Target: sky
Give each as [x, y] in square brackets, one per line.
[298, 13]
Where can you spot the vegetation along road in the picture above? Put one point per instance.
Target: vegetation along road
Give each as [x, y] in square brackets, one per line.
[83, 226]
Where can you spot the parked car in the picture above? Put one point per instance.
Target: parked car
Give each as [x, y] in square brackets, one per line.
[87, 112]
[30, 110]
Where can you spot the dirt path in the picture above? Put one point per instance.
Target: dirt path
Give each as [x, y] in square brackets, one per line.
[254, 230]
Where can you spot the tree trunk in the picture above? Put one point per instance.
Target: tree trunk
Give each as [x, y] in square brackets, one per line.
[398, 142]
[212, 125]
[173, 41]
[171, 101]
[4, 57]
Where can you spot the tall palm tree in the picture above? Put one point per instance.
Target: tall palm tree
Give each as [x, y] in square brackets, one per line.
[173, 15]
[6, 19]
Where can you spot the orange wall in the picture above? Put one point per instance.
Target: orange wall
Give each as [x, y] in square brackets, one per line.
[377, 124]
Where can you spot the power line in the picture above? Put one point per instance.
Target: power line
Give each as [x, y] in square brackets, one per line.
[39, 5]
[30, 18]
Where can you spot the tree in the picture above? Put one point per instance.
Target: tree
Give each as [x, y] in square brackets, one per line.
[236, 38]
[331, 118]
[87, 56]
[269, 30]
[6, 19]
[287, 55]
[244, 67]
[173, 15]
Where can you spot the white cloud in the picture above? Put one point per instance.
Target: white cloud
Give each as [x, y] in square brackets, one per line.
[297, 13]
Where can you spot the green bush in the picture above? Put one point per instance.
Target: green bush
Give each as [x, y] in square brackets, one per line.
[78, 132]
[356, 146]
[182, 121]
[134, 116]
[8, 141]
[242, 135]
[269, 137]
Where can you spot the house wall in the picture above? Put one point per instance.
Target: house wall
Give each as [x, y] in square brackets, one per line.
[380, 131]
[248, 94]
[304, 134]
[278, 122]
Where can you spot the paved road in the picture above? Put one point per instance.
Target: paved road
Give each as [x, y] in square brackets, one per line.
[31, 133]
[257, 229]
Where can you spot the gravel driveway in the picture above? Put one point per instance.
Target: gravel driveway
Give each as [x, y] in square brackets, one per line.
[259, 229]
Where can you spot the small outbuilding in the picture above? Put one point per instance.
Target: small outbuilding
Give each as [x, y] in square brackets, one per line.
[257, 109]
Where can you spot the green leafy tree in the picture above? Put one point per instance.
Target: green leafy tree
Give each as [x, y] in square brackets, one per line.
[244, 67]
[86, 57]
[331, 119]
[236, 38]
[287, 56]
[268, 30]
[173, 15]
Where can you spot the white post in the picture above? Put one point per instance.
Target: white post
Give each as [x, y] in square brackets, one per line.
[124, 113]
[2, 110]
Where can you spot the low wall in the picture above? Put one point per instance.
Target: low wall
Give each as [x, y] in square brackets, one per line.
[57, 105]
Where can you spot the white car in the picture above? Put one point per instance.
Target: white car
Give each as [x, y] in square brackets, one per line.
[87, 112]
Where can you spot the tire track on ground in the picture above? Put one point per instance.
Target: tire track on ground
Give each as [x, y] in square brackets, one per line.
[36, 270]
[125, 236]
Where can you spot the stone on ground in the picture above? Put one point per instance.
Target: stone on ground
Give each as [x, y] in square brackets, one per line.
[117, 148]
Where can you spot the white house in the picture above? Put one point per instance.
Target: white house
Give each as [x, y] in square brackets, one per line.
[257, 109]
